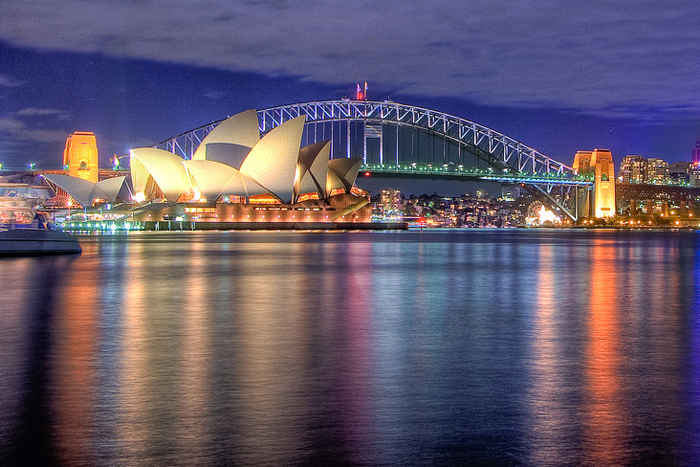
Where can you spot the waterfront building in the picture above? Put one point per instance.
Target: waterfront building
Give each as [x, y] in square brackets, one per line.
[80, 156]
[656, 172]
[650, 171]
[76, 191]
[234, 175]
[390, 204]
[695, 154]
[510, 192]
[237, 176]
[633, 169]
[679, 173]
[694, 174]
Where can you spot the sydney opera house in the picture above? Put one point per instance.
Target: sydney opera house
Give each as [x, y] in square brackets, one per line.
[236, 176]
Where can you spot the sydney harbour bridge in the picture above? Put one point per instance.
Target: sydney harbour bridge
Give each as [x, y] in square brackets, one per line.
[397, 140]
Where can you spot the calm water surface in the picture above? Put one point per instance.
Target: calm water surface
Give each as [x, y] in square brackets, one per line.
[495, 348]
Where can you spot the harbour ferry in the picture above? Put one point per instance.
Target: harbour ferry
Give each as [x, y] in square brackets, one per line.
[25, 231]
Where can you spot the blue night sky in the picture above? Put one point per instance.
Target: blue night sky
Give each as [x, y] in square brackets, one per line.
[559, 76]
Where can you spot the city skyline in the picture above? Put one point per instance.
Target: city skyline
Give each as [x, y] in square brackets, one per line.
[557, 78]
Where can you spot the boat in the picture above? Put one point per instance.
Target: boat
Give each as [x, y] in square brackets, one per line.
[24, 230]
[27, 241]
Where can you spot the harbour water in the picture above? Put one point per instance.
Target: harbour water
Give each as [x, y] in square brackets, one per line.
[490, 347]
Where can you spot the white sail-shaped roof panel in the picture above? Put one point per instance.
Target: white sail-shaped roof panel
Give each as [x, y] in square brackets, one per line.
[83, 191]
[253, 188]
[113, 187]
[319, 168]
[167, 170]
[333, 182]
[211, 177]
[272, 163]
[344, 171]
[139, 175]
[313, 168]
[229, 154]
[240, 130]
[235, 186]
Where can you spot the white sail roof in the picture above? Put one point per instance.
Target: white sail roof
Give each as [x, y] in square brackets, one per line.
[114, 187]
[83, 191]
[272, 163]
[276, 165]
[212, 178]
[313, 169]
[231, 139]
[166, 169]
[342, 173]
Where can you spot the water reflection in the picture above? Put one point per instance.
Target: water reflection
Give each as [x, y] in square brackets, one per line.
[28, 341]
[74, 365]
[605, 424]
[553, 416]
[692, 393]
[497, 348]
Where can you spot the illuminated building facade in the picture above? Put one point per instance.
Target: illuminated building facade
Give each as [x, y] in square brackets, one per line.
[599, 164]
[80, 156]
[390, 204]
[657, 172]
[650, 171]
[237, 176]
[633, 169]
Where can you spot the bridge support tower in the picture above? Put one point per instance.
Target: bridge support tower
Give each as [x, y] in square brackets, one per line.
[80, 156]
[600, 201]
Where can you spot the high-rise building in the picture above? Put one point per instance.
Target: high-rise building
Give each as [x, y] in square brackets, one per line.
[510, 192]
[695, 155]
[80, 156]
[694, 174]
[390, 204]
[679, 172]
[633, 169]
[657, 172]
[650, 171]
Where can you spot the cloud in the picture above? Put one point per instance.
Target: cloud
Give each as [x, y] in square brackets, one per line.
[594, 56]
[9, 81]
[37, 112]
[17, 130]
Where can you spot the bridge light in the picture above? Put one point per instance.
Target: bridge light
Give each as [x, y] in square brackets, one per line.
[366, 174]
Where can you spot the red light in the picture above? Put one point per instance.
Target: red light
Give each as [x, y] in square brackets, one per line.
[366, 174]
[360, 96]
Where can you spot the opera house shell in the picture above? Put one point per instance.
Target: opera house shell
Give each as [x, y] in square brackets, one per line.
[234, 175]
[268, 178]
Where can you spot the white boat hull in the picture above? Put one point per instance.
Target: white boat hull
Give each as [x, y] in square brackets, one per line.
[21, 242]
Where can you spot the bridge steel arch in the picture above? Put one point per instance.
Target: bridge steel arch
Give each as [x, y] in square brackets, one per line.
[508, 158]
